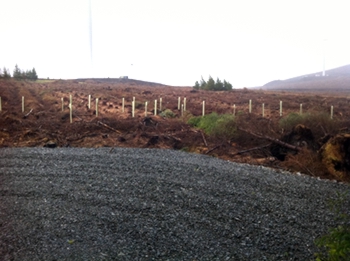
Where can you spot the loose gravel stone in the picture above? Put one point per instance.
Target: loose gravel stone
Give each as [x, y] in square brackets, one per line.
[151, 204]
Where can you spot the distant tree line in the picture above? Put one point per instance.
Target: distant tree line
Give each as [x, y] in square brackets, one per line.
[213, 85]
[5, 73]
[19, 74]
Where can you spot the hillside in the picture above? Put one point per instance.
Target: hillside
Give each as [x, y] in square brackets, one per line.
[337, 79]
[43, 119]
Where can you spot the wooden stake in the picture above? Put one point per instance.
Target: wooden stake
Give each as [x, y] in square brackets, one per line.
[155, 107]
[70, 109]
[89, 102]
[332, 112]
[178, 103]
[301, 109]
[62, 101]
[203, 108]
[96, 107]
[123, 101]
[281, 108]
[22, 103]
[263, 110]
[250, 106]
[0, 105]
[146, 109]
[133, 109]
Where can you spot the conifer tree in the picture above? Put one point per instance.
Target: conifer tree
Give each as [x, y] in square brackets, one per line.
[196, 85]
[17, 74]
[25, 75]
[217, 85]
[210, 84]
[6, 74]
[34, 75]
[227, 86]
[203, 83]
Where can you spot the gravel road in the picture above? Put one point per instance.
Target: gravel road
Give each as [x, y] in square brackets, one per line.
[149, 204]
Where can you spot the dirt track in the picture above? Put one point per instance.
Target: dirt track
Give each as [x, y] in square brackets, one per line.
[143, 204]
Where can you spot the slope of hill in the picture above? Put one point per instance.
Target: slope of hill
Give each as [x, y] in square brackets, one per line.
[121, 80]
[336, 79]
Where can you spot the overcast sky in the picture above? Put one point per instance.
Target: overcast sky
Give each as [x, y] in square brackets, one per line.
[175, 42]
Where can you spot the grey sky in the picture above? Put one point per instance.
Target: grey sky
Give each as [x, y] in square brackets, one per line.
[175, 42]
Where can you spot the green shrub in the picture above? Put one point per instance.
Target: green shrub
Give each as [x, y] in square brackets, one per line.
[335, 246]
[167, 114]
[291, 120]
[194, 121]
[319, 123]
[220, 126]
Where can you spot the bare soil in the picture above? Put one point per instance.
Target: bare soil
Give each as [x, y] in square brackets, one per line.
[43, 123]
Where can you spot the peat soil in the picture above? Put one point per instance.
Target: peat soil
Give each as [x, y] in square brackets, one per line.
[45, 118]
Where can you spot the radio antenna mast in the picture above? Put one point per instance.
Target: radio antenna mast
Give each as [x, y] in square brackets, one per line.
[324, 57]
[90, 37]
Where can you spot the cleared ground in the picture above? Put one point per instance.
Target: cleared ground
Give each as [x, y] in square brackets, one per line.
[44, 123]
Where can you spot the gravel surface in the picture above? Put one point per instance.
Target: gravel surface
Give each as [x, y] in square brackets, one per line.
[149, 204]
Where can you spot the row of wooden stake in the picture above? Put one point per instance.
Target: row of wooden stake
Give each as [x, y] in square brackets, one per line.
[181, 106]
[281, 109]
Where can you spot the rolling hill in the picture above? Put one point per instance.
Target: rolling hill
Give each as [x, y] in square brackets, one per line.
[337, 79]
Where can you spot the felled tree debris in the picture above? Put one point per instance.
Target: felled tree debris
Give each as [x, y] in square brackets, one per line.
[147, 121]
[108, 127]
[51, 144]
[25, 116]
[336, 156]
[279, 148]
[300, 137]
[251, 149]
[153, 140]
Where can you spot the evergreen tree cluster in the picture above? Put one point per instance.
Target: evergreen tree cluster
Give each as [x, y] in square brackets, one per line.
[18, 74]
[213, 85]
[5, 73]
